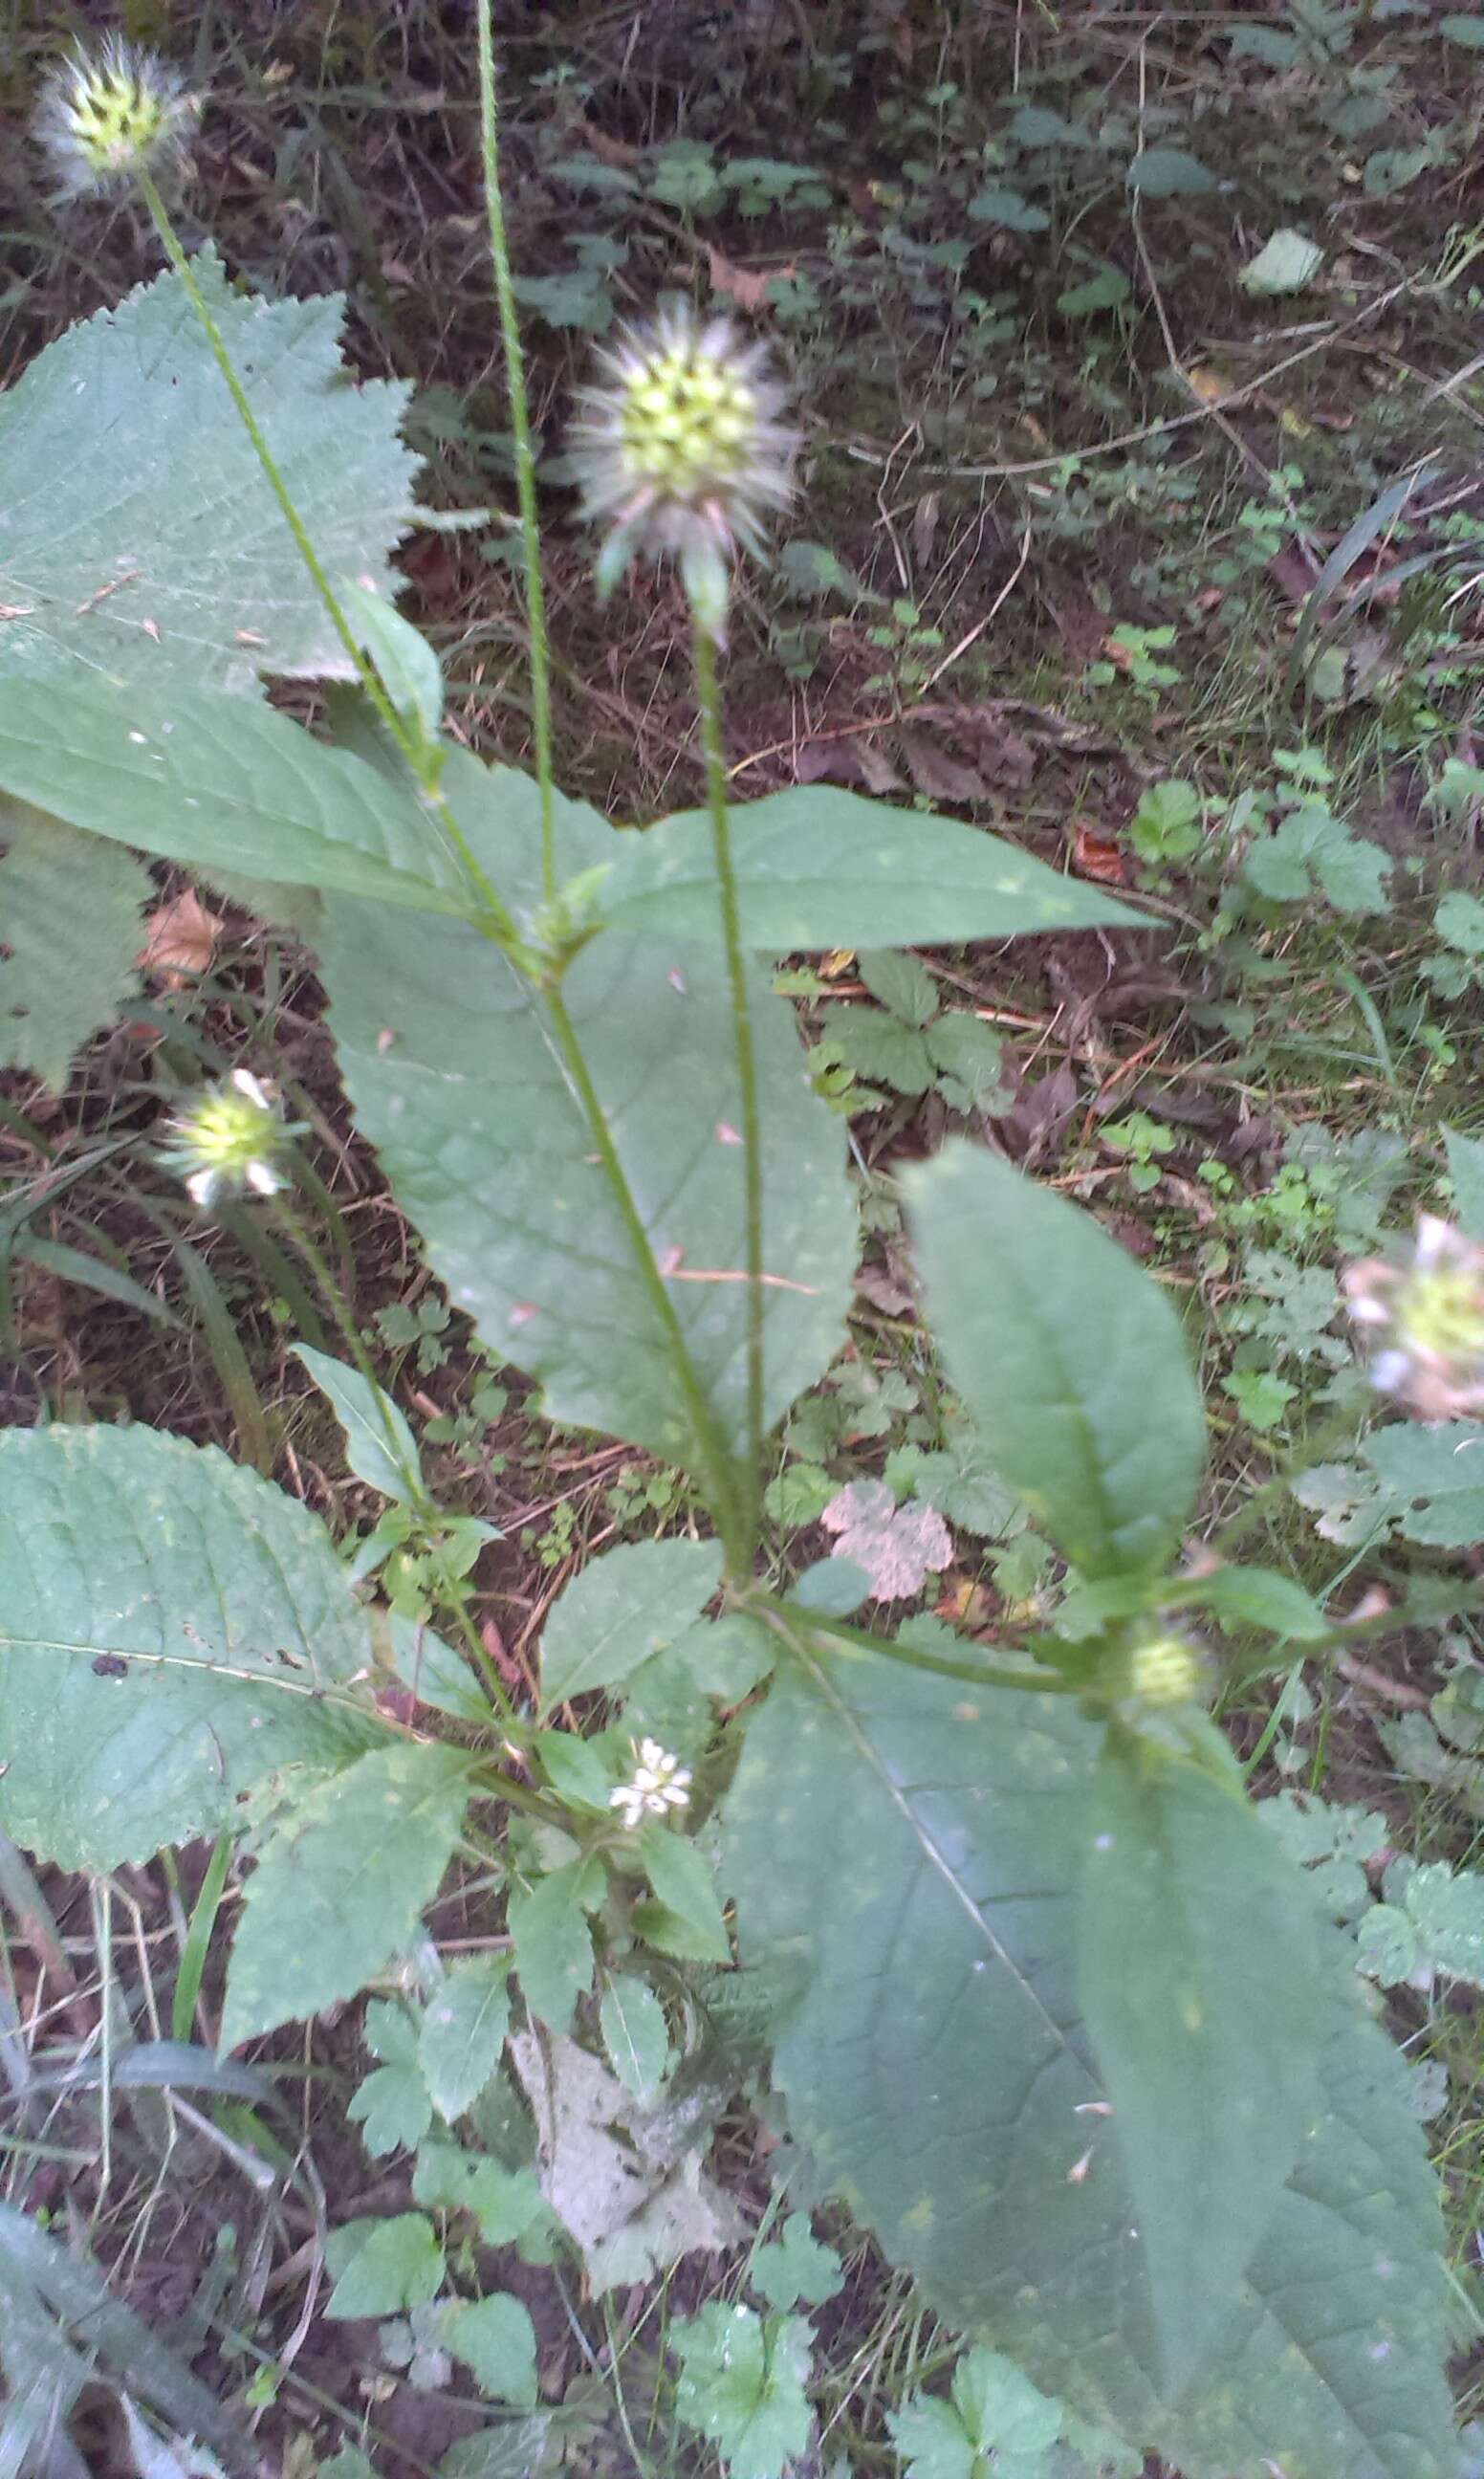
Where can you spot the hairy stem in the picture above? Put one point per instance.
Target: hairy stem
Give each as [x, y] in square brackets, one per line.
[708, 703]
[718, 1472]
[525, 457]
[787, 1620]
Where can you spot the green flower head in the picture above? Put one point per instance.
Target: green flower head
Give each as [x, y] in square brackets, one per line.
[1160, 1672]
[108, 117]
[226, 1143]
[680, 452]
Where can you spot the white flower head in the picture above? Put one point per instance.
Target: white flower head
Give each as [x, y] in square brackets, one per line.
[108, 115]
[660, 1783]
[226, 1143]
[680, 451]
[1427, 1319]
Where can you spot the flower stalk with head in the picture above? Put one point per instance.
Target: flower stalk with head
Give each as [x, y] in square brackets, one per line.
[682, 455]
[114, 118]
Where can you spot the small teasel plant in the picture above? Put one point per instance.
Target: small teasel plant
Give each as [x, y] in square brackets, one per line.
[1042, 1996]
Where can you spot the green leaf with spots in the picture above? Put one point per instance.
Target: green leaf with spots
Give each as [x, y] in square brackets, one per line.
[906, 1858]
[173, 1629]
[818, 867]
[456, 1075]
[1199, 1949]
[1069, 1360]
[1432, 1480]
[342, 1883]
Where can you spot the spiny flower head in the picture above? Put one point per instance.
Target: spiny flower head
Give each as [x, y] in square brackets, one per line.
[1163, 1669]
[1427, 1315]
[108, 117]
[660, 1783]
[225, 1144]
[680, 451]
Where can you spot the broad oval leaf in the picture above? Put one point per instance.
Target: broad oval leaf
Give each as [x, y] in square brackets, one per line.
[452, 1063]
[175, 567]
[1070, 1359]
[1199, 1949]
[172, 1629]
[818, 866]
[636, 1600]
[907, 1858]
[342, 1884]
[203, 777]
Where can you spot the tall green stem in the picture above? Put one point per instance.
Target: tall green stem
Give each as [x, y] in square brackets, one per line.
[788, 1620]
[525, 456]
[708, 703]
[417, 757]
[720, 1476]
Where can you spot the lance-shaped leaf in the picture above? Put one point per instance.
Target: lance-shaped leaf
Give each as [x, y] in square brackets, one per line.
[174, 567]
[458, 1079]
[1070, 1360]
[172, 1629]
[201, 776]
[906, 1859]
[820, 867]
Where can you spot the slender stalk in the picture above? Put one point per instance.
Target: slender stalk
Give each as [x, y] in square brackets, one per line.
[525, 456]
[708, 705]
[452, 1587]
[417, 757]
[719, 1472]
[790, 1621]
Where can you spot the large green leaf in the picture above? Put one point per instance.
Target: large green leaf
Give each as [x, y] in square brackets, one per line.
[69, 937]
[1199, 1949]
[455, 1077]
[636, 1601]
[201, 776]
[343, 1885]
[912, 1856]
[821, 867]
[172, 1628]
[139, 537]
[1070, 1359]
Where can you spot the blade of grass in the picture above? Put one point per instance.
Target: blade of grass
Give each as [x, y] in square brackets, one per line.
[254, 1440]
